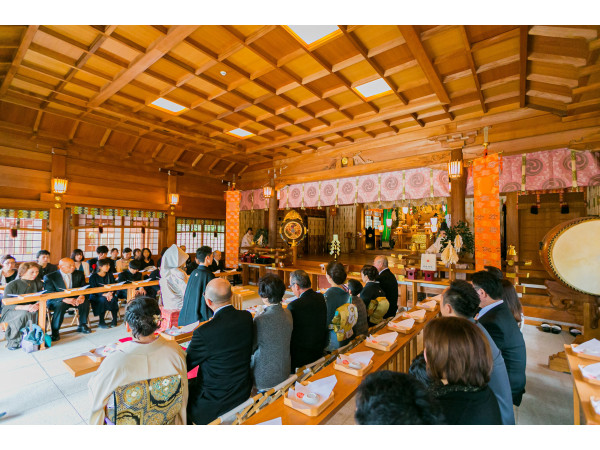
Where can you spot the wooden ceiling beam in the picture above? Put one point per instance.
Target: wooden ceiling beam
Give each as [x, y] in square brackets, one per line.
[416, 47]
[485, 43]
[36, 124]
[74, 130]
[213, 164]
[523, 54]
[197, 159]
[471, 62]
[157, 50]
[105, 137]
[365, 53]
[557, 59]
[229, 167]
[19, 55]
[588, 34]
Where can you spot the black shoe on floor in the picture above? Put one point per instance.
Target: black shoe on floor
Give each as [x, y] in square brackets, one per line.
[55, 337]
[84, 329]
[114, 323]
[103, 325]
[546, 327]
[556, 329]
[575, 332]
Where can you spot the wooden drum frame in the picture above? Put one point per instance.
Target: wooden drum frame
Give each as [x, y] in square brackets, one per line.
[569, 252]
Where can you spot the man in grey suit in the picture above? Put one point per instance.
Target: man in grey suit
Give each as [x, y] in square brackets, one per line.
[271, 361]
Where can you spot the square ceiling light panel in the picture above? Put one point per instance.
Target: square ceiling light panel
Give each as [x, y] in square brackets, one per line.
[310, 34]
[239, 133]
[373, 88]
[166, 105]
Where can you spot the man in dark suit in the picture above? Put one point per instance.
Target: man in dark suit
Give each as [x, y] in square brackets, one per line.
[132, 273]
[389, 284]
[218, 262]
[499, 322]
[46, 267]
[309, 313]
[222, 348]
[102, 252]
[66, 278]
[194, 307]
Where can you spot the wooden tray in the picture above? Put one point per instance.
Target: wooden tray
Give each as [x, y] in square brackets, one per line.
[311, 411]
[381, 347]
[81, 365]
[403, 330]
[417, 319]
[585, 356]
[355, 372]
[589, 380]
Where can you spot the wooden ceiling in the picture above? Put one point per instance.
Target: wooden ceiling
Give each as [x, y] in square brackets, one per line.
[88, 88]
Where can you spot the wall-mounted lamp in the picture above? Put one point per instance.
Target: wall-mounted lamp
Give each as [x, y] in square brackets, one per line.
[174, 199]
[267, 191]
[455, 169]
[59, 187]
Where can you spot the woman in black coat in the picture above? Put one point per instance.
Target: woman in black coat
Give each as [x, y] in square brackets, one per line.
[372, 289]
[459, 363]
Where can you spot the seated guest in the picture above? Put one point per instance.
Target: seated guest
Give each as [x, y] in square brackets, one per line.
[131, 274]
[123, 263]
[509, 295]
[372, 289]
[146, 357]
[162, 252]
[271, 363]
[43, 260]
[66, 278]
[388, 283]
[191, 264]
[218, 262]
[309, 313]
[17, 316]
[459, 363]
[362, 325]
[194, 307]
[102, 252]
[173, 279]
[146, 258]
[9, 270]
[461, 300]
[137, 253]
[394, 398]
[114, 255]
[496, 318]
[80, 264]
[335, 297]
[107, 301]
[222, 349]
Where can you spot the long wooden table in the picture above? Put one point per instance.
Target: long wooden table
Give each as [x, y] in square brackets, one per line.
[43, 298]
[398, 359]
[582, 390]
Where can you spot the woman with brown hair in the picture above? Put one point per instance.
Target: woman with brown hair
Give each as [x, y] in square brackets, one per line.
[459, 362]
[17, 316]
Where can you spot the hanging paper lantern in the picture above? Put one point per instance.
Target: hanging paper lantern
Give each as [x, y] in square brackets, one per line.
[13, 233]
[100, 230]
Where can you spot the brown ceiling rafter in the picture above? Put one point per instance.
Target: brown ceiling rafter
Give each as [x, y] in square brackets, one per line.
[157, 50]
[471, 62]
[592, 59]
[19, 55]
[416, 48]
[291, 74]
[214, 163]
[36, 124]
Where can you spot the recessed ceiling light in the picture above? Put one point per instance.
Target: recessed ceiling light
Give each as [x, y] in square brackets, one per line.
[373, 88]
[168, 106]
[238, 132]
[312, 33]
[222, 72]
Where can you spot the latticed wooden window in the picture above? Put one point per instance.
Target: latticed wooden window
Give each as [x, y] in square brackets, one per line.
[194, 233]
[28, 239]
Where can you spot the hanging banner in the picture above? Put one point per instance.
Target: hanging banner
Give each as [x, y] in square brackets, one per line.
[486, 178]
[232, 227]
[23, 214]
[118, 212]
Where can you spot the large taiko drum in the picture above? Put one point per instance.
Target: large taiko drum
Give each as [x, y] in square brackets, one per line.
[571, 254]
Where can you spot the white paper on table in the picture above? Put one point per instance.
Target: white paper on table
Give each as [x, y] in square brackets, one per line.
[322, 388]
[30, 295]
[362, 358]
[429, 304]
[407, 323]
[591, 347]
[437, 298]
[595, 404]
[217, 271]
[418, 314]
[275, 421]
[390, 338]
[104, 350]
[591, 371]
[189, 328]
[289, 300]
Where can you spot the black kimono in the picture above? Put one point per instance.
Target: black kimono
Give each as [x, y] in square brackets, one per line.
[194, 307]
[99, 302]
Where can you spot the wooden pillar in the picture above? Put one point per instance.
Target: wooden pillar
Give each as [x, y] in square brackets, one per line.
[360, 225]
[171, 222]
[457, 190]
[56, 238]
[512, 220]
[273, 205]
